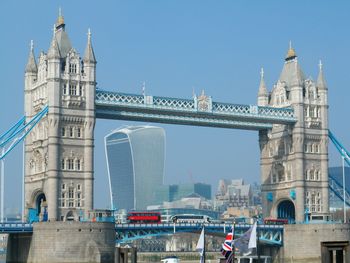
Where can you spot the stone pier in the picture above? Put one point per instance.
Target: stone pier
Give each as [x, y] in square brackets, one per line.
[64, 242]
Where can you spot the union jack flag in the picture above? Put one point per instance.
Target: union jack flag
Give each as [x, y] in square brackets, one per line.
[226, 249]
[227, 245]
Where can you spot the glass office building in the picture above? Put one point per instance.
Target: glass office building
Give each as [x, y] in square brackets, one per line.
[170, 193]
[135, 161]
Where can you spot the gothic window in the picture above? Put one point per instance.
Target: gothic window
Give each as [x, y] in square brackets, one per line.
[72, 68]
[70, 164]
[312, 175]
[79, 132]
[63, 186]
[78, 165]
[305, 148]
[71, 132]
[71, 203]
[281, 176]
[63, 131]
[72, 89]
[65, 92]
[307, 174]
[79, 187]
[80, 90]
[274, 178]
[318, 175]
[63, 165]
[63, 203]
[71, 193]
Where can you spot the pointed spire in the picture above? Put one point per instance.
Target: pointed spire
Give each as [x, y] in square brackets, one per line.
[291, 52]
[321, 82]
[53, 51]
[31, 64]
[262, 87]
[89, 56]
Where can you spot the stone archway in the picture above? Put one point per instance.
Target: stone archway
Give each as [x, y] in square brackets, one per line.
[286, 210]
[38, 210]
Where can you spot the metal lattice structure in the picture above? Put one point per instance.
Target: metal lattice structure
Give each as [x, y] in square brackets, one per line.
[269, 234]
[200, 111]
[337, 189]
[15, 227]
[335, 186]
[18, 132]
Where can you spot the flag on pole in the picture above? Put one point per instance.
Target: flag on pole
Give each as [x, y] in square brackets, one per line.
[226, 249]
[247, 241]
[201, 246]
[227, 245]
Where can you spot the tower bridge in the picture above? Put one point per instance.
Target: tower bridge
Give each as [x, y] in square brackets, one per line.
[291, 119]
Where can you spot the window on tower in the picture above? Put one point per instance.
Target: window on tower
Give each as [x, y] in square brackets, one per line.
[72, 68]
[70, 164]
[72, 89]
[79, 132]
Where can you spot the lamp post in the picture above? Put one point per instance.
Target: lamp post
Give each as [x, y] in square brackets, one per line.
[344, 205]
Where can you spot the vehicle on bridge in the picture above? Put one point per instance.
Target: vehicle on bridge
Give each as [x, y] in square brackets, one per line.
[191, 218]
[135, 217]
[276, 221]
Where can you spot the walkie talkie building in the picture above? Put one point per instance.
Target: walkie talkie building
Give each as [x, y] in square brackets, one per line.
[135, 161]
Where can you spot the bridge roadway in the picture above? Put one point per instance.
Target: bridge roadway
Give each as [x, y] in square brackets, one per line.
[199, 111]
[269, 234]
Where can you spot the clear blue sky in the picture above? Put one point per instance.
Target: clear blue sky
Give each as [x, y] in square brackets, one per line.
[175, 46]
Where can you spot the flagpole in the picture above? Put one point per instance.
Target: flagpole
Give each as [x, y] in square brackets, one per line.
[204, 244]
[232, 245]
[257, 243]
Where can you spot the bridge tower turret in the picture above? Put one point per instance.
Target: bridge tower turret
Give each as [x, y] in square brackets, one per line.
[59, 152]
[294, 159]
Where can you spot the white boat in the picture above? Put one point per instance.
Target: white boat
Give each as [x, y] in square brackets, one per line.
[171, 259]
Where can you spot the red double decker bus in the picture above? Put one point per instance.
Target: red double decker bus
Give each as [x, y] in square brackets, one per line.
[275, 221]
[144, 217]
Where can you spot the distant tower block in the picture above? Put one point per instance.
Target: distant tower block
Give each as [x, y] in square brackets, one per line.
[294, 159]
[59, 151]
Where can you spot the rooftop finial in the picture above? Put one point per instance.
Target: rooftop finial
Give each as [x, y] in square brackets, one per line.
[89, 34]
[262, 73]
[31, 45]
[291, 52]
[54, 29]
[60, 19]
[144, 88]
[320, 65]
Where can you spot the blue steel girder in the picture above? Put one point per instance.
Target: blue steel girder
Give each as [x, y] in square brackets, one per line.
[121, 106]
[337, 188]
[271, 235]
[15, 227]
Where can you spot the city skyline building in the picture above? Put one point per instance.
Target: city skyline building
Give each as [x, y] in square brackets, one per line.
[135, 158]
[174, 192]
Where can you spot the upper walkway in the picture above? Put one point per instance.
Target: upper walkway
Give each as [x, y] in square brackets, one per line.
[200, 111]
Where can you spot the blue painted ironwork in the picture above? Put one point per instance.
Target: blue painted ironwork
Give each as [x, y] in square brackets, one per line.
[337, 188]
[16, 227]
[269, 234]
[200, 111]
[17, 133]
[341, 149]
[334, 185]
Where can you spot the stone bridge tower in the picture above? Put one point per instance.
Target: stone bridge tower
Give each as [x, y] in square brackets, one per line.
[59, 151]
[294, 159]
